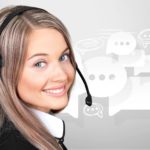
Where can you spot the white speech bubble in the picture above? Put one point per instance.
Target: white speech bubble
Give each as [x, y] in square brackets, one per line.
[90, 44]
[135, 59]
[137, 99]
[116, 101]
[95, 110]
[145, 68]
[104, 76]
[144, 36]
[121, 43]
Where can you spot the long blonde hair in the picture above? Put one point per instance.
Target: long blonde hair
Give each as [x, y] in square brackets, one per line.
[13, 43]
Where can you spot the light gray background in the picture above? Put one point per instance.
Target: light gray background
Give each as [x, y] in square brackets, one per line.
[128, 129]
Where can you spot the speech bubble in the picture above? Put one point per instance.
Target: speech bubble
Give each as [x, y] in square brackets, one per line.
[143, 69]
[137, 99]
[95, 110]
[105, 77]
[121, 43]
[90, 44]
[134, 59]
[144, 36]
[116, 101]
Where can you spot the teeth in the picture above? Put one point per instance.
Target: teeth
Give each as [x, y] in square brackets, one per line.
[55, 91]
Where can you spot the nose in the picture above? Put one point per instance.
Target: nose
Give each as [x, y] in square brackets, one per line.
[58, 73]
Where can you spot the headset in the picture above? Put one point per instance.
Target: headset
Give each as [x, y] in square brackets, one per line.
[19, 11]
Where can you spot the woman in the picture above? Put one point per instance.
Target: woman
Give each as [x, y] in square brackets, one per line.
[37, 73]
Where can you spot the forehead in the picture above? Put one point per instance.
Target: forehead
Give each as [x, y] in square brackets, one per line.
[45, 40]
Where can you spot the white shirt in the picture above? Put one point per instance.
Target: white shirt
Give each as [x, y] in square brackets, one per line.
[54, 125]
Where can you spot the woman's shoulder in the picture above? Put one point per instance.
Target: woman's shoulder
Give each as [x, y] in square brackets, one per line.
[6, 129]
[12, 139]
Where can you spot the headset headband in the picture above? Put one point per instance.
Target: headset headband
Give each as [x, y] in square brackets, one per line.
[19, 11]
[15, 12]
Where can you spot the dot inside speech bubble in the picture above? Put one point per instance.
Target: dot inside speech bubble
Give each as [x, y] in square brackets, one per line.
[121, 43]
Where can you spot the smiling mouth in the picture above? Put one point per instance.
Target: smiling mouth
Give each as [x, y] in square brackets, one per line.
[56, 92]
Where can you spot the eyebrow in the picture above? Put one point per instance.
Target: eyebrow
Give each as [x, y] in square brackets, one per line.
[45, 54]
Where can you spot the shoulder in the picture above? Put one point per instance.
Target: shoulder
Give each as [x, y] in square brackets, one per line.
[11, 138]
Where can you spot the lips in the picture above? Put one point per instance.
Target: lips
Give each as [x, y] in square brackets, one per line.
[56, 91]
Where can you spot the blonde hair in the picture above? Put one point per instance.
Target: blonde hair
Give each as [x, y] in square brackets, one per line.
[13, 43]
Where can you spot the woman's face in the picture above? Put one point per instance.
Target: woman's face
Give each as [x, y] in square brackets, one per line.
[47, 73]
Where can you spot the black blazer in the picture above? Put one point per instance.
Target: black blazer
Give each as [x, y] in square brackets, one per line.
[11, 139]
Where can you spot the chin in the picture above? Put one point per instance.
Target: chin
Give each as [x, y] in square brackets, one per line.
[60, 108]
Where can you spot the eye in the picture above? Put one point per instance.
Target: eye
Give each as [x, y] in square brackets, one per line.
[40, 64]
[65, 57]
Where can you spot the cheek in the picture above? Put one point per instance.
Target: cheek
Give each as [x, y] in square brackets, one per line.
[27, 84]
[70, 72]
